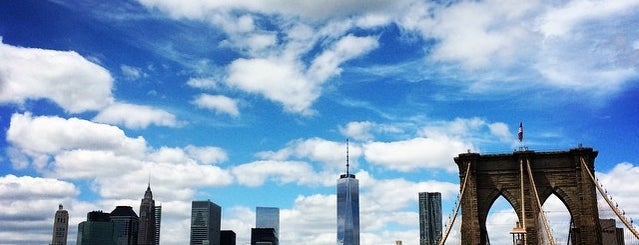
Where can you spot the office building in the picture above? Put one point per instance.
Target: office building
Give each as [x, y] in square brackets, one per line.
[147, 233]
[347, 207]
[126, 224]
[60, 226]
[227, 237]
[206, 219]
[430, 218]
[263, 236]
[97, 229]
[268, 217]
[158, 222]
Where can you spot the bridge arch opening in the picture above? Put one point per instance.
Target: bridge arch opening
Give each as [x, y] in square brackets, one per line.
[500, 220]
[559, 218]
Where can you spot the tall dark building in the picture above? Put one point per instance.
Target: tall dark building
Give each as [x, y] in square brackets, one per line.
[227, 237]
[60, 227]
[347, 207]
[147, 234]
[430, 218]
[206, 219]
[126, 223]
[98, 229]
[158, 221]
[263, 236]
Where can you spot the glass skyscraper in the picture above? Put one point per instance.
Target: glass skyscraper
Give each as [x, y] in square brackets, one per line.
[206, 219]
[430, 218]
[268, 217]
[347, 210]
[126, 224]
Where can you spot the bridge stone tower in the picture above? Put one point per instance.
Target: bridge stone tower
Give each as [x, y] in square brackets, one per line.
[559, 173]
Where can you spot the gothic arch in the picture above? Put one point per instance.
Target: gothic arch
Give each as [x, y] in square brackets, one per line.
[558, 173]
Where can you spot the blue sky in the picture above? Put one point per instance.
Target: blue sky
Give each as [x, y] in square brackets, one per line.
[249, 103]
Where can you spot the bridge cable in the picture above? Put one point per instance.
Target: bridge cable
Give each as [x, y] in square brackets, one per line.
[452, 221]
[541, 209]
[614, 209]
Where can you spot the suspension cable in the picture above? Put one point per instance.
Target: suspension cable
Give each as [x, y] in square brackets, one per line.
[461, 195]
[602, 192]
[541, 209]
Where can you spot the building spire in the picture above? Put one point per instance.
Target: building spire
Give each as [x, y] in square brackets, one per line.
[347, 160]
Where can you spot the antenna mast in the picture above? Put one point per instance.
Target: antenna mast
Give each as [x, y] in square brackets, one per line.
[347, 162]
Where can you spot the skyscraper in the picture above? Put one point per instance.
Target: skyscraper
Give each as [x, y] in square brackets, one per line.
[126, 224]
[263, 236]
[60, 227]
[268, 217]
[158, 222]
[98, 229]
[147, 232]
[347, 207]
[430, 218]
[206, 219]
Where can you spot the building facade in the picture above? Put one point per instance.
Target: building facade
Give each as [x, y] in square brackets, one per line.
[347, 210]
[206, 219]
[98, 229]
[430, 218]
[126, 224]
[147, 233]
[268, 217]
[227, 237]
[263, 236]
[158, 222]
[60, 226]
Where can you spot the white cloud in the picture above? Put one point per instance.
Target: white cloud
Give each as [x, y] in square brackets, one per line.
[331, 154]
[476, 130]
[407, 155]
[131, 72]
[29, 204]
[218, 103]
[309, 10]
[278, 80]
[77, 149]
[327, 63]
[282, 172]
[135, 116]
[560, 21]
[64, 77]
[207, 154]
[358, 130]
[202, 83]
[51, 135]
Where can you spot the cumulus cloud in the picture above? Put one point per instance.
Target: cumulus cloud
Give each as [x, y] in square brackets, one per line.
[358, 130]
[135, 116]
[64, 77]
[218, 103]
[273, 64]
[29, 204]
[283, 172]
[51, 135]
[332, 155]
[407, 155]
[77, 149]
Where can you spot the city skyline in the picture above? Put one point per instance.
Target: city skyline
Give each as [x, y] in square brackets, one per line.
[248, 103]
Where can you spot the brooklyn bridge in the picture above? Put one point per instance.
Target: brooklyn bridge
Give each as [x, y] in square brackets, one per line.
[526, 180]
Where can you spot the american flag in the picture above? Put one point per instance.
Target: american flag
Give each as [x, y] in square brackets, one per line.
[520, 133]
